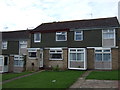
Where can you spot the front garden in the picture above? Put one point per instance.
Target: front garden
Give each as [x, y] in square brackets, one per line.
[46, 79]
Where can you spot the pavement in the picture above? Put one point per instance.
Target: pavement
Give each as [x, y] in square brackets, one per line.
[103, 84]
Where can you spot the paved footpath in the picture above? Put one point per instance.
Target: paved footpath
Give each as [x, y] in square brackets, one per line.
[82, 83]
[19, 77]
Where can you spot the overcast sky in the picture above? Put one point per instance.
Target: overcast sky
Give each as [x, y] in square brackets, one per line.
[23, 14]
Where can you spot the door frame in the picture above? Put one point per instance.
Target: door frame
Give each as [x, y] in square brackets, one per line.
[3, 66]
[7, 63]
[102, 67]
[85, 59]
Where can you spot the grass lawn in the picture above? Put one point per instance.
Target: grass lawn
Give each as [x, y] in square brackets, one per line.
[104, 75]
[46, 79]
[8, 76]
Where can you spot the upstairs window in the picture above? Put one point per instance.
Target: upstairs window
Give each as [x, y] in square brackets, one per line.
[56, 54]
[78, 35]
[61, 36]
[23, 44]
[108, 34]
[108, 38]
[4, 45]
[37, 37]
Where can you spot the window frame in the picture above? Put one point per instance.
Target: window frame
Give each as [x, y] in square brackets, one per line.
[4, 43]
[78, 34]
[35, 35]
[76, 51]
[23, 42]
[59, 33]
[30, 50]
[103, 52]
[114, 38]
[56, 52]
[19, 58]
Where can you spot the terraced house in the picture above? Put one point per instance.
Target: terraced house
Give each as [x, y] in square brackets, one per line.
[80, 44]
[14, 48]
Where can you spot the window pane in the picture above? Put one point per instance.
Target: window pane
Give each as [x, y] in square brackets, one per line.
[72, 56]
[61, 37]
[106, 50]
[1, 61]
[32, 54]
[80, 56]
[78, 37]
[98, 50]
[56, 56]
[37, 37]
[108, 35]
[98, 57]
[106, 57]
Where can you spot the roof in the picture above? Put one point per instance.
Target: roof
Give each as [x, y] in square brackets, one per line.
[81, 24]
[15, 35]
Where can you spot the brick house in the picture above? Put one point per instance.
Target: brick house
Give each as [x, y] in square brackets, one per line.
[80, 44]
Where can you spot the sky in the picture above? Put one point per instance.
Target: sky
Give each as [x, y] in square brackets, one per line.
[23, 14]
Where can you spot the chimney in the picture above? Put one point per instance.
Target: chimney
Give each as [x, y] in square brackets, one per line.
[119, 11]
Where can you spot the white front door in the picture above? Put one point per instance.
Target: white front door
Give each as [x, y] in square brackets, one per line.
[41, 59]
[77, 58]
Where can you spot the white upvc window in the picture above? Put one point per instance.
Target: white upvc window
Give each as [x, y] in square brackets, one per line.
[109, 34]
[76, 54]
[78, 35]
[23, 44]
[4, 44]
[32, 53]
[56, 54]
[37, 37]
[61, 36]
[18, 61]
[103, 54]
[108, 38]
[1, 60]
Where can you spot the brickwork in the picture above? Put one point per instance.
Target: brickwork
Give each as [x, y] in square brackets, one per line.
[90, 59]
[53, 63]
[18, 69]
[114, 52]
[32, 64]
[11, 64]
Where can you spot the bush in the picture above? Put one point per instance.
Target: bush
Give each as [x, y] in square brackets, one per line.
[56, 68]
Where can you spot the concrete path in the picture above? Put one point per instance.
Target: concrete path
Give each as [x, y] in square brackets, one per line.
[82, 83]
[19, 77]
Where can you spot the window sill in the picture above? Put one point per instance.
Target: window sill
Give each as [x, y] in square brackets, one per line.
[78, 40]
[37, 41]
[60, 40]
[55, 59]
[32, 58]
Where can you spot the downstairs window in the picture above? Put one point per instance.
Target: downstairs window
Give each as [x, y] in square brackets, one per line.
[55, 54]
